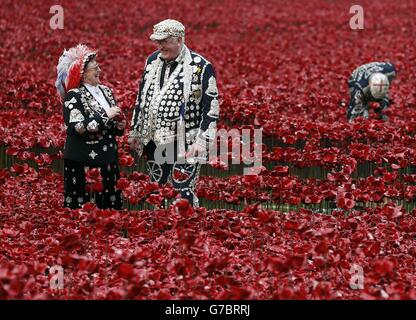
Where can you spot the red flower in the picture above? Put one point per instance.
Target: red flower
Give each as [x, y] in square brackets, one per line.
[70, 242]
[345, 203]
[249, 180]
[4, 174]
[155, 199]
[151, 187]
[235, 293]
[323, 290]
[282, 170]
[183, 207]
[89, 206]
[97, 186]
[217, 164]
[126, 161]
[322, 247]
[393, 211]
[137, 176]
[314, 199]
[277, 264]
[19, 169]
[12, 151]
[180, 176]
[168, 192]
[125, 271]
[93, 175]
[293, 225]
[384, 267]
[122, 184]
[43, 159]
[345, 200]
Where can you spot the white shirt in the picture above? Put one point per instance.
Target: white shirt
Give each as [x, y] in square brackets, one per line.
[98, 95]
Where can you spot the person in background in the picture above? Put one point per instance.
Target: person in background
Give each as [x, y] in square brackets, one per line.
[370, 83]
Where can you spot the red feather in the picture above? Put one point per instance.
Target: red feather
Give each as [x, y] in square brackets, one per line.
[74, 76]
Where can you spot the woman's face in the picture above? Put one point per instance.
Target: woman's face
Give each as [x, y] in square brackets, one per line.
[92, 73]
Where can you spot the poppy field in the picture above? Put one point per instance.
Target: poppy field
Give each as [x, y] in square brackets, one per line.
[333, 205]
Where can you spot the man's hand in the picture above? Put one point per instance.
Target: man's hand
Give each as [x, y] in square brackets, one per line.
[195, 150]
[120, 125]
[113, 112]
[133, 143]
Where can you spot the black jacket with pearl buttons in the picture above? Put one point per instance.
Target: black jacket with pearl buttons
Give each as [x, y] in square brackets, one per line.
[90, 134]
[188, 90]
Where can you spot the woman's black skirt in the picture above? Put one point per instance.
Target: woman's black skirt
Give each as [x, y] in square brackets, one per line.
[75, 191]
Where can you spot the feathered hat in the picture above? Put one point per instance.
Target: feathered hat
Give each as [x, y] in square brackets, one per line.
[71, 67]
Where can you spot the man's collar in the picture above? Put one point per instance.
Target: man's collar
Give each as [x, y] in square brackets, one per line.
[169, 62]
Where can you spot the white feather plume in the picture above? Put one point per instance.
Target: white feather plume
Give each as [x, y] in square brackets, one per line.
[66, 60]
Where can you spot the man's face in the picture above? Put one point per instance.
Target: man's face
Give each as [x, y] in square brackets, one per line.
[92, 73]
[169, 48]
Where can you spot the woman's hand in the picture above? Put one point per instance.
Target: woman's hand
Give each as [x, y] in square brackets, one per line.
[113, 112]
